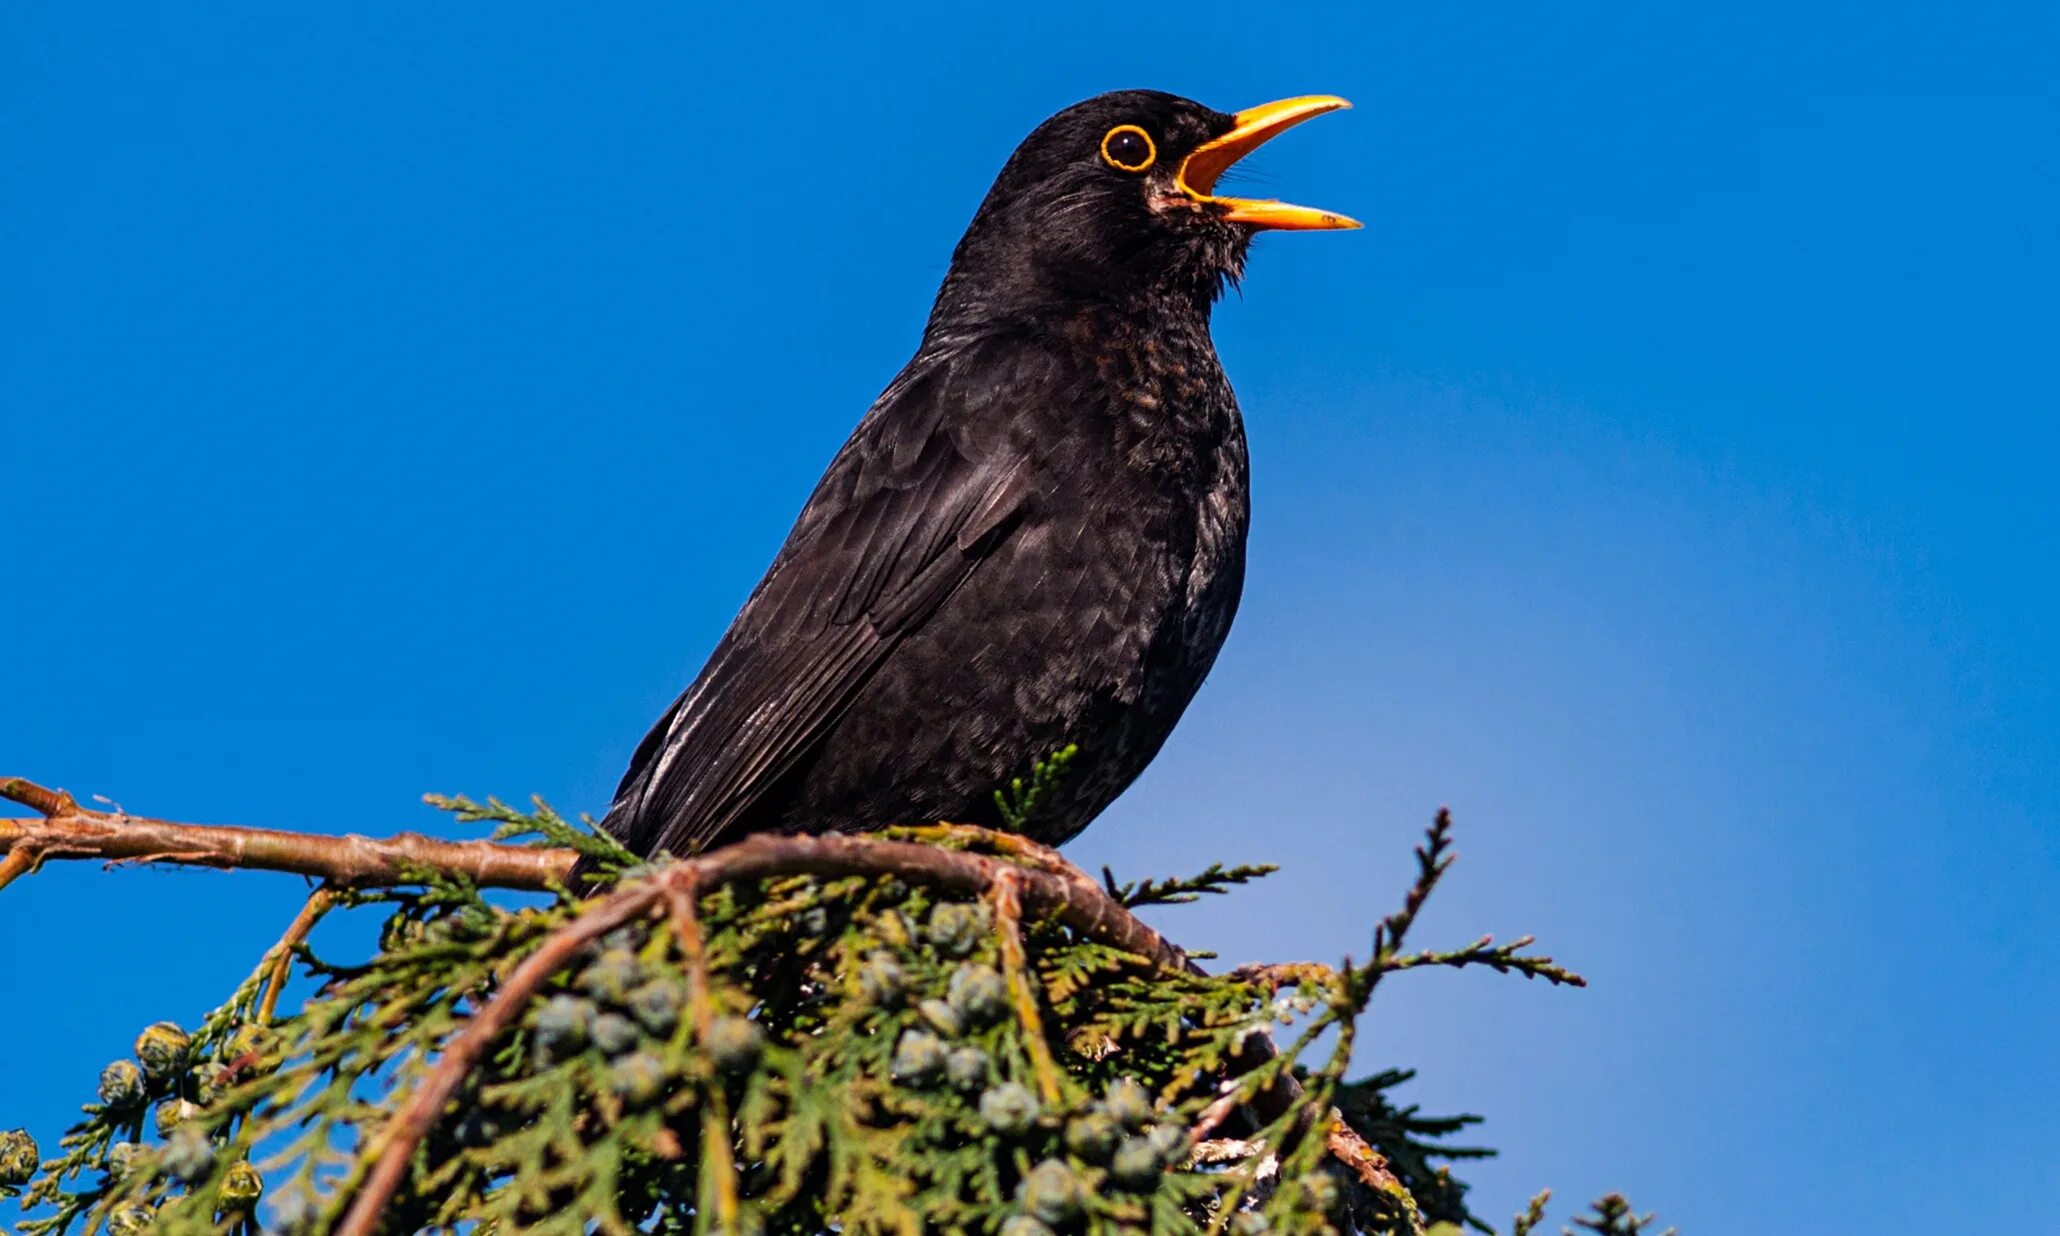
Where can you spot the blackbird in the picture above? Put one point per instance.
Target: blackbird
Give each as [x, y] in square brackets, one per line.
[1035, 538]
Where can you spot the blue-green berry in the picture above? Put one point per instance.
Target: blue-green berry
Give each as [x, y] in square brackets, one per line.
[612, 976]
[248, 1040]
[1093, 1135]
[1024, 1225]
[19, 1157]
[1249, 1223]
[918, 1058]
[172, 1113]
[295, 1211]
[475, 1128]
[637, 1078]
[563, 1024]
[943, 1018]
[1130, 1103]
[1172, 1143]
[955, 929]
[121, 1157]
[189, 1156]
[163, 1049]
[813, 921]
[967, 1067]
[474, 923]
[1009, 1109]
[1052, 1193]
[883, 981]
[121, 1084]
[979, 994]
[1136, 1164]
[241, 1186]
[656, 1005]
[734, 1043]
[615, 1034]
[401, 932]
[1321, 1188]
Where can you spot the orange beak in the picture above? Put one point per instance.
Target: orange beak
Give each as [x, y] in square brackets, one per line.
[1251, 129]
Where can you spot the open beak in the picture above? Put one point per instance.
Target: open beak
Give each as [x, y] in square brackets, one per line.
[1251, 129]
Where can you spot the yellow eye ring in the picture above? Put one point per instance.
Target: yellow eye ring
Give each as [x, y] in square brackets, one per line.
[1120, 148]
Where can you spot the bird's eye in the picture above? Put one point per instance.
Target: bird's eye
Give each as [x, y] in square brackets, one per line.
[1129, 148]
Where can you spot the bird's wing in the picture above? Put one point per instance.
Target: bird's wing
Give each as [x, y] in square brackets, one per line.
[933, 479]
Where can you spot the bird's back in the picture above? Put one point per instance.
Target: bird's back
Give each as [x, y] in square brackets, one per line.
[1034, 539]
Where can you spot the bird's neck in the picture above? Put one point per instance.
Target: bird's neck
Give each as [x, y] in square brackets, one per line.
[1037, 299]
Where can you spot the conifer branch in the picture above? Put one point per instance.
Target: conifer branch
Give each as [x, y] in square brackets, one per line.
[1078, 903]
[1050, 884]
[1181, 890]
[281, 954]
[1008, 919]
[65, 830]
[1503, 958]
[1612, 1215]
[396, 1149]
[1039, 883]
[1533, 1214]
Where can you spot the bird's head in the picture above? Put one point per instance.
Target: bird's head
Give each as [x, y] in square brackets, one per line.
[1115, 199]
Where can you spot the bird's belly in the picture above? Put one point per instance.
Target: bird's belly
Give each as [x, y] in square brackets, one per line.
[1090, 634]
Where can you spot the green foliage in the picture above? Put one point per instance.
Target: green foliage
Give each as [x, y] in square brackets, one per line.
[1413, 1144]
[1533, 1214]
[1181, 890]
[1017, 801]
[800, 1054]
[1613, 1216]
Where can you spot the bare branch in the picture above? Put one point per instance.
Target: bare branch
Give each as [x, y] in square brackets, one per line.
[69, 831]
[281, 954]
[16, 862]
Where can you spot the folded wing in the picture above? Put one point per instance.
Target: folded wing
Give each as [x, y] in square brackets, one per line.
[934, 480]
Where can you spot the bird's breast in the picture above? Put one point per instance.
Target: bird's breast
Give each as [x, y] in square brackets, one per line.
[1152, 502]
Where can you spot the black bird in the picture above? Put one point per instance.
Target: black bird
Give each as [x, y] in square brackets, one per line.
[1035, 537]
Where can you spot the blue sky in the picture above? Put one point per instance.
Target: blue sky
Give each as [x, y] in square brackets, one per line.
[403, 398]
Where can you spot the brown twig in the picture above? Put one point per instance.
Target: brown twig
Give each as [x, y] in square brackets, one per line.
[404, 1136]
[318, 904]
[1008, 919]
[1278, 974]
[67, 830]
[720, 1167]
[16, 862]
[1366, 1163]
[1213, 1116]
[48, 802]
[684, 900]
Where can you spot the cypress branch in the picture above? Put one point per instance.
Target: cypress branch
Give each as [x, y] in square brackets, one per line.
[934, 1028]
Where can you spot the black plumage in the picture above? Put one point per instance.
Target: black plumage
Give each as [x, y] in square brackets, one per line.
[1034, 538]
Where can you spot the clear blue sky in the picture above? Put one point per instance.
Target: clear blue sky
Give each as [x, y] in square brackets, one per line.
[402, 398]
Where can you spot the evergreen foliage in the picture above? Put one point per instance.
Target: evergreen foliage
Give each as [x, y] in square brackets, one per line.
[792, 1053]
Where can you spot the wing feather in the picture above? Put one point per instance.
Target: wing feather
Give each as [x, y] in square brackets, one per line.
[929, 485]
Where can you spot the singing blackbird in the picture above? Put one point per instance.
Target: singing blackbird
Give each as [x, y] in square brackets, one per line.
[1036, 535]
